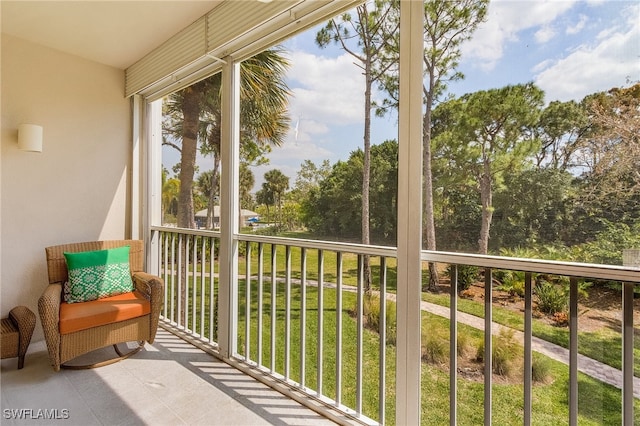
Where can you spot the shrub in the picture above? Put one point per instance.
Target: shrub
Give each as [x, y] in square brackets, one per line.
[540, 368]
[511, 281]
[551, 298]
[268, 231]
[561, 319]
[435, 347]
[467, 275]
[547, 252]
[480, 351]
[505, 353]
[517, 289]
[371, 313]
[609, 243]
[463, 343]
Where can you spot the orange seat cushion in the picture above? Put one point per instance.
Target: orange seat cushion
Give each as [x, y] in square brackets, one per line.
[81, 316]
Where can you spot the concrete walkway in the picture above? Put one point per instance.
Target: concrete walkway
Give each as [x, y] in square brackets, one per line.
[588, 366]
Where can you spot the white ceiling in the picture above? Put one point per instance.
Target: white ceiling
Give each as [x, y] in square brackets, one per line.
[115, 33]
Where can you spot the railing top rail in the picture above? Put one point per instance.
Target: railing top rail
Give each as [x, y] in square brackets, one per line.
[334, 246]
[187, 231]
[574, 269]
[582, 270]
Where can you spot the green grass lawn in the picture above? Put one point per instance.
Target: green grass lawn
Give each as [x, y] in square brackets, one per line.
[349, 265]
[599, 403]
[370, 341]
[604, 345]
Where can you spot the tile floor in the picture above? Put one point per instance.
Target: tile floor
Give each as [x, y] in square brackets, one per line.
[168, 383]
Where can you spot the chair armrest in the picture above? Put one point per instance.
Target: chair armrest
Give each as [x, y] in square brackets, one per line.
[49, 310]
[49, 305]
[149, 285]
[153, 288]
[25, 320]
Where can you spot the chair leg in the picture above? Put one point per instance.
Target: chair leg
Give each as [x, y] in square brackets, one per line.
[120, 357]
[131, 352]
[20, 362]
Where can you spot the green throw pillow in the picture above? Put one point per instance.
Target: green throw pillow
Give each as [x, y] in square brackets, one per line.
[97, 274]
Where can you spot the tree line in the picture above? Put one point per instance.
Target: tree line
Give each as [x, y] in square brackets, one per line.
[509, 173]
[507, 169]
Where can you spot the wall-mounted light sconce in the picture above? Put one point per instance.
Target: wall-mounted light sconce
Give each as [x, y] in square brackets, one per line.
[30, 137]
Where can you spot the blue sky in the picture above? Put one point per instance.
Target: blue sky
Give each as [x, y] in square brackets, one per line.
[568, 48]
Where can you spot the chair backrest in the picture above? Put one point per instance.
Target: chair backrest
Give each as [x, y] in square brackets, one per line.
[57, 265]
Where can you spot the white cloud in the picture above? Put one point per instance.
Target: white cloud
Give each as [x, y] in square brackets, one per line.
[326, 90]
[607, 63]
[544, 34]
[505, 19]
[606, 33]
[575, 29]
[259, 171]
[542, 66]
[300, 150]
[288, 158]
[306, 129]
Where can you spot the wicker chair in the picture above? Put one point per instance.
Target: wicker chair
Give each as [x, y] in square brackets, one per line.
[17, 330]
[64, 346]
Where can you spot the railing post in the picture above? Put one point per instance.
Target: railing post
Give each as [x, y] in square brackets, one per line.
[382, 370]
[260, 301]
[303, 316]
[408, 360]
[488, 345]
[453, 348]
[320, 335]
[229, 208]
[287, 315]
[528, 351]
[627, 354]
[359, 333]
[573, 351]
[630, 257]
[273, 310]
[338, 328]
[247, 304]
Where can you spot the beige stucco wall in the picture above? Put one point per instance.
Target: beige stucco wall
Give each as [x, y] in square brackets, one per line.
[77, 189]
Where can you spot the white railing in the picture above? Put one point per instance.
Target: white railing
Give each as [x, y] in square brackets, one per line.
[187, 262]
[628, 277]
[301, 316]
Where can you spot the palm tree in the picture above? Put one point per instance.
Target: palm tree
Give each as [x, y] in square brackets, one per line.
[170, 191]
[247, 180]
[194, 114]
[265, 196]
[264, 121]
[276, 183]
